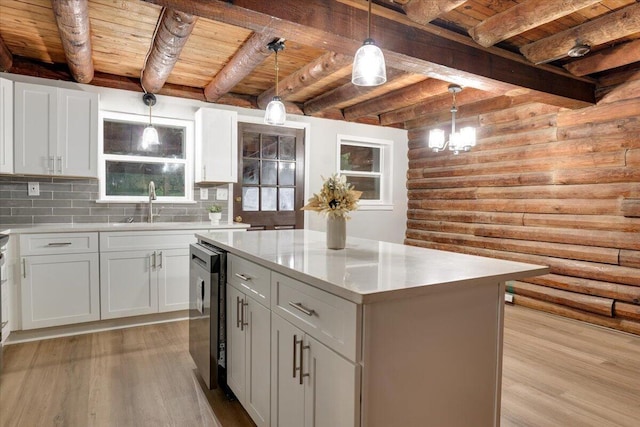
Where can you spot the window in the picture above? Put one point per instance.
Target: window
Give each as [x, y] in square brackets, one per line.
[366, 162]
[126, 168]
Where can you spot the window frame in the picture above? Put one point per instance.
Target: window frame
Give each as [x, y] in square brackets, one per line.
[188, 160]
[386, 169]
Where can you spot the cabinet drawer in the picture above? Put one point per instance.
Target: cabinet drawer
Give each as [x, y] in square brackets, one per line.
[58, 243]
[326, 317]
[158, 239]
[250, 278]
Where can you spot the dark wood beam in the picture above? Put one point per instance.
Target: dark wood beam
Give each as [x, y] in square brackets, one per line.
[315, 106]
[523, 17]
[6, 59]
[252, 53]
[173, 32]
[314, 71]
[341, 28]
[425, 11]
[72, 18]
[408, 95]
[615, 25]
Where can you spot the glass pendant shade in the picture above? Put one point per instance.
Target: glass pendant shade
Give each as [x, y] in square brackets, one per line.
[368, 65]
[436, 139]
[275, 114]
[150, 137]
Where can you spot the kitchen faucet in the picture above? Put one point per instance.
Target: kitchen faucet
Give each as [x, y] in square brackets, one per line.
[152, 197]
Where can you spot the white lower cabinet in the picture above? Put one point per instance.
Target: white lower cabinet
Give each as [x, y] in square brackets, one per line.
[248, 350]
[60, 279]
[311, 384]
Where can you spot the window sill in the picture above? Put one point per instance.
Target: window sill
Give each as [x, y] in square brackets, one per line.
[375, 207]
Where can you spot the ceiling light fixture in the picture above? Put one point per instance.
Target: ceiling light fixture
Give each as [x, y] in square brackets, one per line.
[368, 64]
[458, 141]
[150, 134]
[580, 49]
[276, 113]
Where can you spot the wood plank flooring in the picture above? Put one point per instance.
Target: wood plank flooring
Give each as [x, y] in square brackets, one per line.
[557, 372]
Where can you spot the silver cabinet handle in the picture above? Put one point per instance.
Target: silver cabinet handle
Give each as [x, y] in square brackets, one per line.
[242, 310]
[204, 172]
[243, 277]
[302, 308]
[153, 259]
[238, 321]
[302, 349]
[52, 166]
[54, 244]
[160, 259]
[24, 268]
[60, 165]
[295, 356]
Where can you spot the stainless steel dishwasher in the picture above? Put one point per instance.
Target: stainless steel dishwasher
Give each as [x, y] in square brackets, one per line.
[207, 313]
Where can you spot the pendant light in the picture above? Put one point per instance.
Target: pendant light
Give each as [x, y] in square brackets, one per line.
[150, 134]
[275, 114]
[458, 141]
[368, 64]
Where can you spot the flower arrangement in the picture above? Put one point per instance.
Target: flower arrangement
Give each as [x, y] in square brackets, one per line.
[214, 208]
[336, 198]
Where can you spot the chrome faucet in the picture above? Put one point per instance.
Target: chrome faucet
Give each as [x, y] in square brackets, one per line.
[152, 197]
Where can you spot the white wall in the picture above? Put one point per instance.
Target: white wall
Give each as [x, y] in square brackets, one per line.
[321, 155]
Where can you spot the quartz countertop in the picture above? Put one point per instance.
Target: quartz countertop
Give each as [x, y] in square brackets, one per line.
[118, 226]
[366, 271]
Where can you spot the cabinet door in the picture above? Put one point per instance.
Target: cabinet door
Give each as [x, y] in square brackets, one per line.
[216, 145]
[172, 266]
[77, 141]
[258, 363]
[236, 346]
[59, 290]
[128, 284]
[6, 126]
[331, 389]
[287, 394]
[35, 128]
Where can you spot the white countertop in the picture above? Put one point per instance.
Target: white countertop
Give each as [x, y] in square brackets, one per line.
[117, 226]
[366, 270]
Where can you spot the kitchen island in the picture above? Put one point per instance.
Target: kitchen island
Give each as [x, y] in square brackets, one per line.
[377, 334]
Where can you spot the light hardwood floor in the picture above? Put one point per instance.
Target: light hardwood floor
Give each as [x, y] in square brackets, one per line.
[557, 373]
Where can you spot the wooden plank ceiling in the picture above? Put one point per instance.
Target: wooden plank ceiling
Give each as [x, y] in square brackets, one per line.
[498, 51]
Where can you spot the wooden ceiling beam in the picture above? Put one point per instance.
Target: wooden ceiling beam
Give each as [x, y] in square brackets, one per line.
[606, 59]
[72, 19]
[341, 28]
[615, 25]
[523, 17]
[425, 11]
[408, 95]
[437, 104]
[6, 59]
[314, 71]
[327, 100]
[252, 53]
[174, 30]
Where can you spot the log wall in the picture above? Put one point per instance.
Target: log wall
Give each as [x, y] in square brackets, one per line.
[546, 186]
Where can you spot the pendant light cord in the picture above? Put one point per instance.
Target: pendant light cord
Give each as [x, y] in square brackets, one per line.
[369, 21]
[277, 72]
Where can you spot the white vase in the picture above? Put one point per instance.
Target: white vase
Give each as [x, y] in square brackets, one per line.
[215, 217]
[336, 232]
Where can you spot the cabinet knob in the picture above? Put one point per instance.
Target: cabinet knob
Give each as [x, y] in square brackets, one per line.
[238, 219]
[238, 199]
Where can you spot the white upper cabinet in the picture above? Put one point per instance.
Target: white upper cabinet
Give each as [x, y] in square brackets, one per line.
[56, 131]
[216, 145]
[6, 126]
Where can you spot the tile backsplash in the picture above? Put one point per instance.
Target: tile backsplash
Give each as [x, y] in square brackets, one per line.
[68, 200]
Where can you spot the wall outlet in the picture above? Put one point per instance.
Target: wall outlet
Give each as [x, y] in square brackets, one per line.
[222, 194]
[204, 194]
[34, 189]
